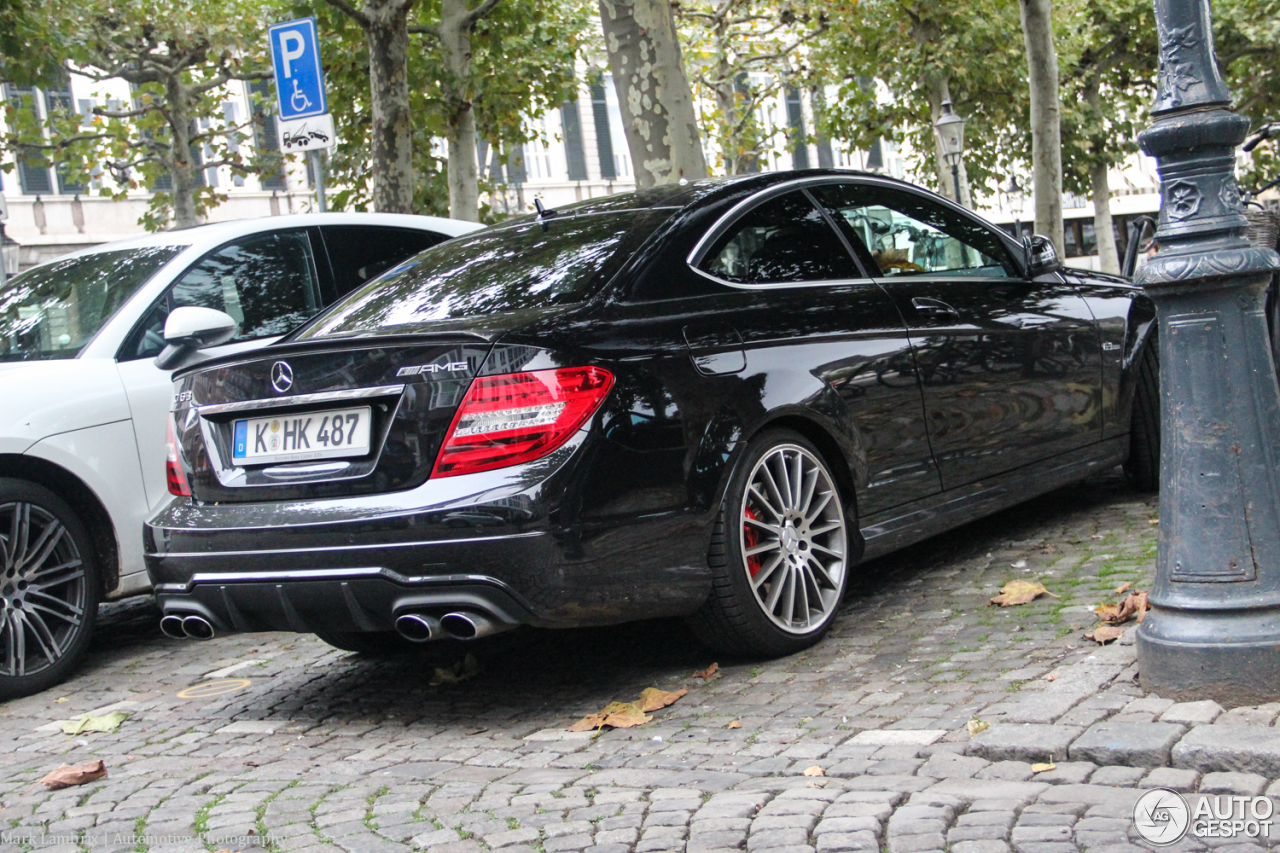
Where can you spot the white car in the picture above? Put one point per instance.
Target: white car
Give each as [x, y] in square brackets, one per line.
[83, 407]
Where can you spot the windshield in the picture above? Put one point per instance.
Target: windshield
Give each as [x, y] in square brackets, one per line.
[556, 261]
[53, 310]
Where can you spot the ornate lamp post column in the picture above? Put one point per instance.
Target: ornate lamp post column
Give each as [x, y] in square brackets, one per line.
[1214, 628]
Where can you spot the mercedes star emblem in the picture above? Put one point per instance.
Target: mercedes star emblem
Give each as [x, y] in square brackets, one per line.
[281, 376]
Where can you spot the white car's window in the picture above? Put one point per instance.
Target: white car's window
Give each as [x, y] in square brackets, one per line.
[266, 282]
[53, 310]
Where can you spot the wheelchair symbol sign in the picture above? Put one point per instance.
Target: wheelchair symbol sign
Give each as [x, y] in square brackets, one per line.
[295, 55]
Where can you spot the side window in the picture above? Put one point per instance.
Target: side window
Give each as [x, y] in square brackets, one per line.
[357, 253]
[906, 234]
[783, 240]
[266, 282]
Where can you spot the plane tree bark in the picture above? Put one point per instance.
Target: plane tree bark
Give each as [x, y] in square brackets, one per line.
[653, 91]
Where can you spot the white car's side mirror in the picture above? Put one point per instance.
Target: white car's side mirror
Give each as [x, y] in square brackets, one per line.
[190, 329]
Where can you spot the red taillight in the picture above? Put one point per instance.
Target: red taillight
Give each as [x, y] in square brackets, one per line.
[172, 469]
[518, 417]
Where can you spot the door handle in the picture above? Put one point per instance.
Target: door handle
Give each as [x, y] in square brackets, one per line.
[934, 308]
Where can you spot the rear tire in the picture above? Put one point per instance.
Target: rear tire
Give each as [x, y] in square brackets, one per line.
[778, 553]
[375, 643]
[1143, 465]
[49, 589]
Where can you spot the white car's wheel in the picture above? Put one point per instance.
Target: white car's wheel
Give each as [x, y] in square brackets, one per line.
[49, 589]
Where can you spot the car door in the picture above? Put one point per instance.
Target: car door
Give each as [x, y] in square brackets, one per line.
[268, 282]
[812, 324]
[1010, 366]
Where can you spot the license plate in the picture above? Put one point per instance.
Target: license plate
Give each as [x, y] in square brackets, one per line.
[297, 437]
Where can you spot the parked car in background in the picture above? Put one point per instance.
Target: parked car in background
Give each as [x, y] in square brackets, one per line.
[82, 442]
[711, 401]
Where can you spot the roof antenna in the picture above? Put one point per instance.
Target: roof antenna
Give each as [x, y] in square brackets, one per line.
[544, 213]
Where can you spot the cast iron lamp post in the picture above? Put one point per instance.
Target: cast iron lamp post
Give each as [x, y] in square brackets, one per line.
[1214, 628]
[1016, 196]
[950, 128]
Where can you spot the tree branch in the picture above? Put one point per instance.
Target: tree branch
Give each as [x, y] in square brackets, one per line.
[479, 12]
[352, 12]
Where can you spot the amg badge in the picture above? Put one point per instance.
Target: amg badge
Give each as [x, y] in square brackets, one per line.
[448, 367]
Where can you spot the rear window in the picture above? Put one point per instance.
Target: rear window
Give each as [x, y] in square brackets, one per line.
[556, 261]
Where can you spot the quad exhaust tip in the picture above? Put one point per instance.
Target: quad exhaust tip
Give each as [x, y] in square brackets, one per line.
[189, 627]
[469, 626]
[171, 626]
[417, 628]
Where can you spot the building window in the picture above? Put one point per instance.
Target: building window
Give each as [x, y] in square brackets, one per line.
[574, 153]
[795, 121]
[264, 134]
[604, 138]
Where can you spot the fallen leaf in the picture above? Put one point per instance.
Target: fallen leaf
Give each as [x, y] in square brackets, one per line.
[62, 699]
[1020, 592]
[1133, 606]
[85, 723]
[734, 725]
[1053, 676]
[977, 727]
[1153, 521]
[1108, 612]
[1040, 768]
[1103, 634]
[624, 715]
[815, 770]
[651, 698]
[73, 774]
[464, 669]
[1123, 588]
[290, 647]
[706, 674]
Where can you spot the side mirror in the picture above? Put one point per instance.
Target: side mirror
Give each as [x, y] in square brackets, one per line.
[190, 329]
[1041, 255]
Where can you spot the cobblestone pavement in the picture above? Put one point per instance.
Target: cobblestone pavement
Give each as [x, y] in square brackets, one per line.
[322, 751]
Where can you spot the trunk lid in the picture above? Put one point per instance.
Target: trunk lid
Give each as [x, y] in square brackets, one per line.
[409, 388]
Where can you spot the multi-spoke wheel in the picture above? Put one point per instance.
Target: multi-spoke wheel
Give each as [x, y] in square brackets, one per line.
[779, 553]
[48, 589]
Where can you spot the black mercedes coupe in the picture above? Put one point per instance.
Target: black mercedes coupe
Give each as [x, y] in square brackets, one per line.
[711, 400]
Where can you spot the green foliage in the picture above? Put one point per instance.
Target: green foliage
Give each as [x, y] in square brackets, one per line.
[179, 56]
[522, 66]
[1247, 38]
[909, 45]
[738, 53]
[1109, 45]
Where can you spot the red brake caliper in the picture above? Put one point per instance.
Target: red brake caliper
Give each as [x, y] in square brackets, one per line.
[751, 536]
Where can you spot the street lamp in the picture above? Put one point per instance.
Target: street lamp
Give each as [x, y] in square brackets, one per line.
[1016, 196]
[1212, 632]
[950, 128]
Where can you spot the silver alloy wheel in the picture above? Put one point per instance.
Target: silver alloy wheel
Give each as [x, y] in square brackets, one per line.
[43, 589]
[793, 536]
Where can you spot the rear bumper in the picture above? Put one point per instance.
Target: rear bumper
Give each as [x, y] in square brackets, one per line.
[510, 544]
[349, 600]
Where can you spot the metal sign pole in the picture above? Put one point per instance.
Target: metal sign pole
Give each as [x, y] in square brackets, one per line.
[317, 168]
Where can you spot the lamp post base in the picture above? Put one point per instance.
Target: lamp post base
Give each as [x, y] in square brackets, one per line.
[1231, 657]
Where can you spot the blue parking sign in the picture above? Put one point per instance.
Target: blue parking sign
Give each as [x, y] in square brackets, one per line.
[295, 54]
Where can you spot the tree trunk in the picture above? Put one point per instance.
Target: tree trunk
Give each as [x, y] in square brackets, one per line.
[1046, 118]
[657, 104]
[391, 134]
[1100, 188]
[464, 174]
[181, 169]
[939, 92]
